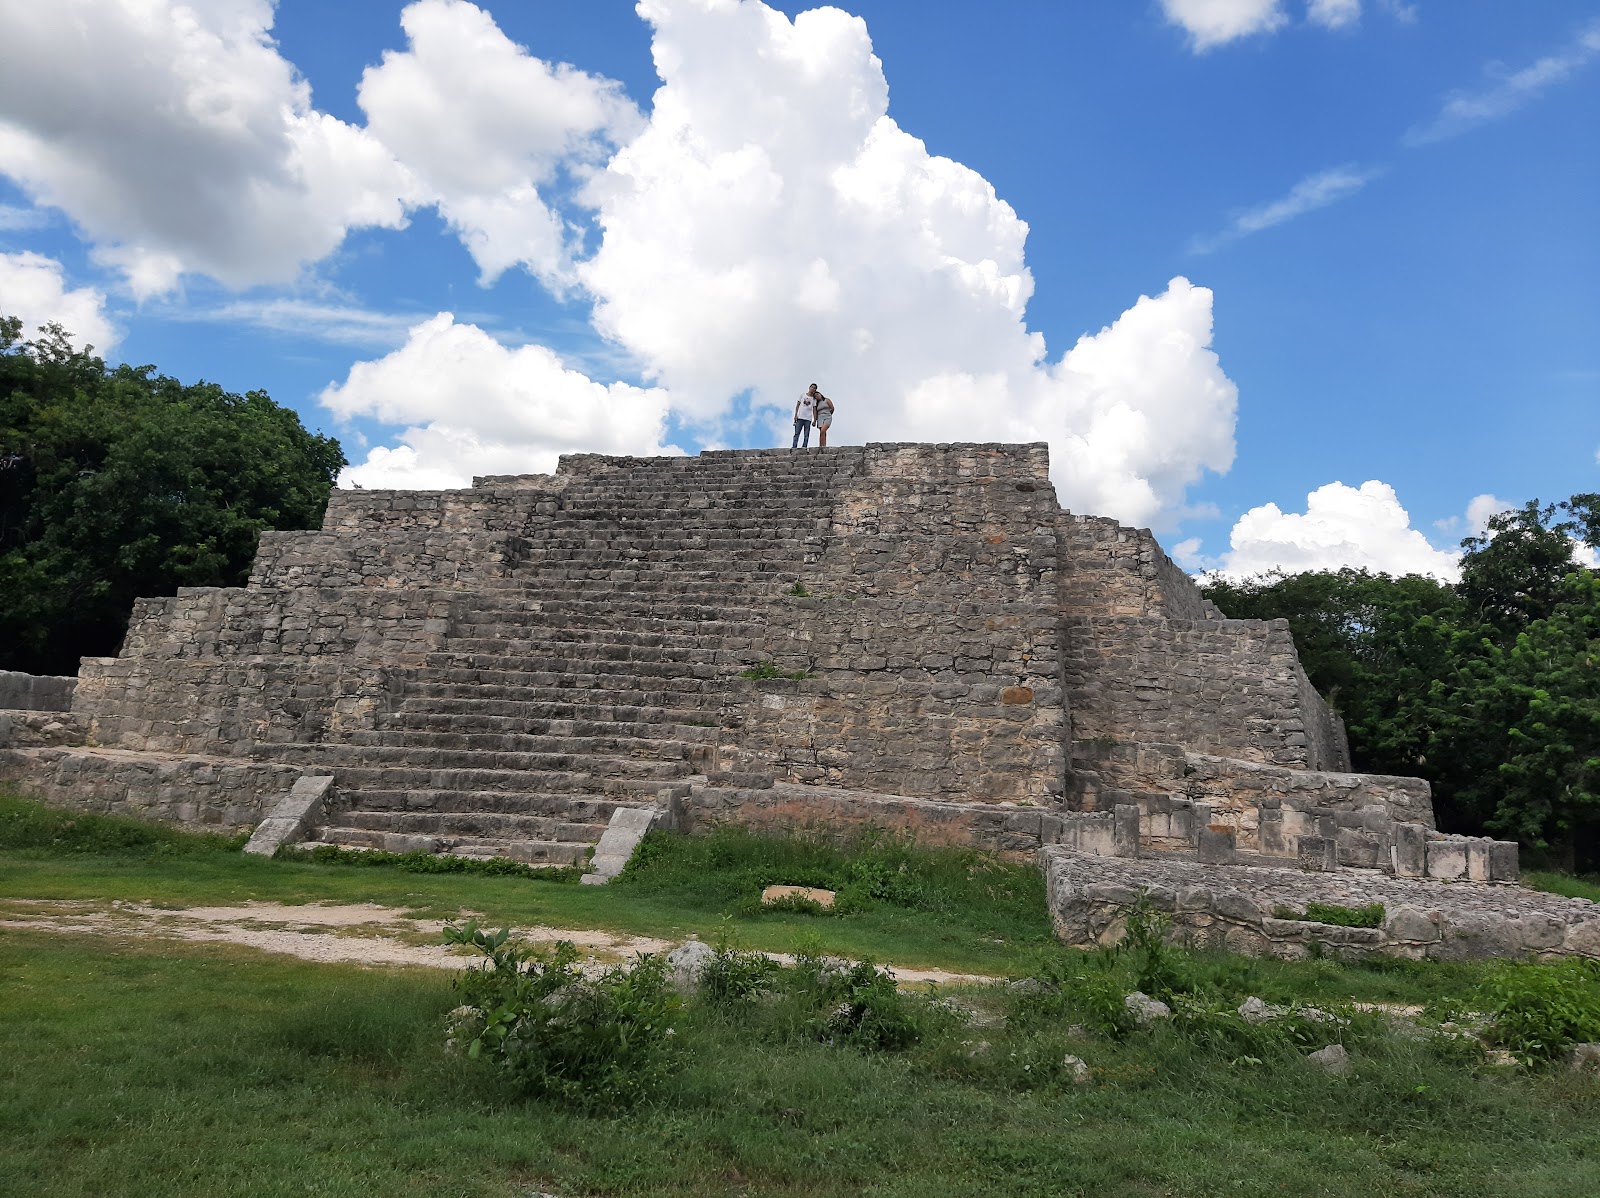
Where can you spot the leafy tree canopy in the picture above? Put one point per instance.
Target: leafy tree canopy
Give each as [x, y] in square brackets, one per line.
[117, 483]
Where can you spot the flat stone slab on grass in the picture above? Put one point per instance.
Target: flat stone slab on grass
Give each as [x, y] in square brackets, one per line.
[811, 894]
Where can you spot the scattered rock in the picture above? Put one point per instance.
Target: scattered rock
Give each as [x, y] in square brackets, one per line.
[1146, 1010]
[1584, 1058]
[976, 1049]
[1028, 986]
[687, 964]
[810, 894]
[1332, 1059]
[1255, 1010]
[1499, 1058]
[1076, 1068]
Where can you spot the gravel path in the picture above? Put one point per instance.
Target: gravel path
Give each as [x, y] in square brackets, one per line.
[348, 933]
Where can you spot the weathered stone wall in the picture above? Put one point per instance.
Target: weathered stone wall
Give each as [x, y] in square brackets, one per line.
[220, 669]
[35, 692]
[931, 636]
[913, 697]
[210, 794]
[840, 815]
[1108, 569]
[1230, 687]
[1232, 907]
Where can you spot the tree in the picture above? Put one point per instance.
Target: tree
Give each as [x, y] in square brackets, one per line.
[117, 483]
[1513, 573]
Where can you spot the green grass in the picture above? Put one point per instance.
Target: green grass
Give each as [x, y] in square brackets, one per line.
[1587, 886]
[160, 1069]
[179, 1071]
[946, 909]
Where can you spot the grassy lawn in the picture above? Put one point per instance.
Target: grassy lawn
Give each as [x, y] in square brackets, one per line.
[154, 1068]
[146, 1070]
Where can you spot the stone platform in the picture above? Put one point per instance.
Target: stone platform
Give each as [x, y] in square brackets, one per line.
[907, 636]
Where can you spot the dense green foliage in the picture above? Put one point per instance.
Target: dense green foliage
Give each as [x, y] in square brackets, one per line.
[117, 482]
[598, 1038]
[1489, 688]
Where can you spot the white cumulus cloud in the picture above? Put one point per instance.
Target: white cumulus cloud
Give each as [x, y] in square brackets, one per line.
[487, 128]
[178, 139]
[474, 406]
[1212, 23]
[1361, 527]
[34, 289]
[772, 225]
[1334, 14]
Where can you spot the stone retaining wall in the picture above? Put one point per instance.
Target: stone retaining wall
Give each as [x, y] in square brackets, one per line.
[35, 692]
[211, 794]
[1232, 907]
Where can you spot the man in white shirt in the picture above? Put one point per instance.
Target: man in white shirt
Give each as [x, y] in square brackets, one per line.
[805, 409]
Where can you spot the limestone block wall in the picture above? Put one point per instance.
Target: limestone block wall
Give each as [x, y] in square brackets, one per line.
[218, 669]
[1230, 687]
[35, 692]
[909, 697]
[1236, 908]
[1111, 570]
[931, 637]
[203, 793]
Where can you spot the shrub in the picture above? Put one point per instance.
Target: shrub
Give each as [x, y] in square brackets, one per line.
[1537, 1012]
[856, 1004]
[732, 979]
[601, 1041]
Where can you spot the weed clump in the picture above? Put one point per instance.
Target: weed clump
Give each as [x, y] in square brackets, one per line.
[1538, 1012]
[596, 1040]
[1369, 916]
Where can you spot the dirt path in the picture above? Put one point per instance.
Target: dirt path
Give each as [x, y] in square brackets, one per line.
[350, 933]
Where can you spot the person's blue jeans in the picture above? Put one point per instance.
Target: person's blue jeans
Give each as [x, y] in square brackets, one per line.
[802, 434]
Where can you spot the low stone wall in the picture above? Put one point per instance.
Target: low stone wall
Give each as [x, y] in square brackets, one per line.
[1236, 790]
[35, 692]
[839, 815]
[1232, 907]
[210, 794]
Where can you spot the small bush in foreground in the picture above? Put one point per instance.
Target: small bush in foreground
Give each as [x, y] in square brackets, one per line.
[1537, 1012]
[596, 1041]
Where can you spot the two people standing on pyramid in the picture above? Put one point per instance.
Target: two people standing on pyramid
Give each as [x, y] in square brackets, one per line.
[812, 407]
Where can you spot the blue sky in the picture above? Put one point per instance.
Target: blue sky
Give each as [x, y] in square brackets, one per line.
[1222, 254]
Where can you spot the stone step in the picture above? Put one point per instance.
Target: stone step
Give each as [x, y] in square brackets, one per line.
[459, 738]
[443, 712]
[656, 677]
[608, 642]
[417, 725]
[567, 808]
[478, 825]
[529, 852]
[353, 758]
[562, 657]
[355, 780]
[685, 695]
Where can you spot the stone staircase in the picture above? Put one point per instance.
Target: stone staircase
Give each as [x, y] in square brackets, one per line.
[592, 675]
